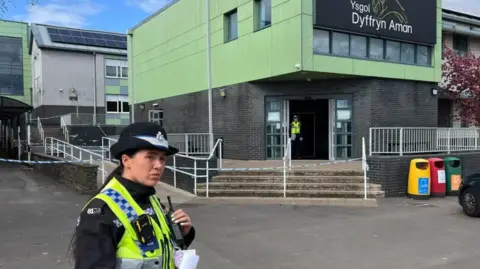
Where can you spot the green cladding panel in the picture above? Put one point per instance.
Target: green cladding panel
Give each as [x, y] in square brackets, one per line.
[167, 53]
[169, 50]
[20, 30]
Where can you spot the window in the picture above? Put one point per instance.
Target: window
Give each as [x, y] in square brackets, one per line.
[340, 44]
[393, 51]
[460, 44]
[358, 46]
[231, 26]
[156, 116]
[116, 68]
[11, 66]
[117, 104]
[408, 53]
[376, 49]
[263, 10]
[321, 42]
[423, 55]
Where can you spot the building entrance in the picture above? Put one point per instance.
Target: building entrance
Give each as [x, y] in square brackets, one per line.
[314, 117]
[326, 127]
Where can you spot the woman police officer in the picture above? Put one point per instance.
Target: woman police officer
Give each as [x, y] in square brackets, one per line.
[124, 225]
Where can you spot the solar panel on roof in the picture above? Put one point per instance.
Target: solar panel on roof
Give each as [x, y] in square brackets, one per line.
[79, 37]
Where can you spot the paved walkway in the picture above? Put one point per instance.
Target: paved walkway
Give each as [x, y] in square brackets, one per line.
[39, 217]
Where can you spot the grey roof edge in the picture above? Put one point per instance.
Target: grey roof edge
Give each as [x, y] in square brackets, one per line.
[130, 31]
[462, 14]
[48, 47]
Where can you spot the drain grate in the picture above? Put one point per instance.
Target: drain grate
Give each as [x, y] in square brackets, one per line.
[424, 205]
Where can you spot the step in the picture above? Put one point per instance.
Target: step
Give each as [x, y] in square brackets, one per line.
[294, 172]
[290, 179]
[290, 186]
[290, 193]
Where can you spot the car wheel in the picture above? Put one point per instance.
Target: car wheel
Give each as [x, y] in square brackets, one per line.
[471, 204]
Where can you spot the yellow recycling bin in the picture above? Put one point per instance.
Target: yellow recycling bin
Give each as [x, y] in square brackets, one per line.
[419, 179]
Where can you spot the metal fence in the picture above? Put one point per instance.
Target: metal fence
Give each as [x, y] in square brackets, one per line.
[417, 140]
[89, 119]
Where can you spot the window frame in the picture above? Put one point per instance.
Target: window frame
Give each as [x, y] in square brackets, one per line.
[321, 33]
[227, 25]
[120, 101]
[119, 66]
[257, 11]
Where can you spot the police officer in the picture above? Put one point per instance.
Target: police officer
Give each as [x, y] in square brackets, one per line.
[124, 225]
[296, 137]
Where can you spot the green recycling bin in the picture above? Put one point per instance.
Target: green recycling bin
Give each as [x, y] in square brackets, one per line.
[453, 174]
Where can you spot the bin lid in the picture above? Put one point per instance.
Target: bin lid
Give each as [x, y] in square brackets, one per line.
[419, 160]
[451, 159]
[435, 159]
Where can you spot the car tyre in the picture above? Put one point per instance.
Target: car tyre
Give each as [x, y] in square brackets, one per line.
[471, 203]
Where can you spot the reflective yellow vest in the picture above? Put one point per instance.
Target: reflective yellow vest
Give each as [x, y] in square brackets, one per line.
[296, 127]
[130, 252]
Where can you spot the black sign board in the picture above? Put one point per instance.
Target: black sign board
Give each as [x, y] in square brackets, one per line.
[407, 20]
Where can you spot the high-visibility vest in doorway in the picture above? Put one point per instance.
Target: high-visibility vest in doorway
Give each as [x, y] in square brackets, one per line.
[296, 127]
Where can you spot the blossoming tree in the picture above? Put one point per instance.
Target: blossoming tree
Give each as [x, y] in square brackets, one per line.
[461, 81]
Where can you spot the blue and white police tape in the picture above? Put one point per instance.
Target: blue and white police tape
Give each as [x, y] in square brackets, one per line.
[268, 168]
[37, 162]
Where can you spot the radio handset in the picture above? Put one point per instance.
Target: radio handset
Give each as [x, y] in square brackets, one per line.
[174, 227]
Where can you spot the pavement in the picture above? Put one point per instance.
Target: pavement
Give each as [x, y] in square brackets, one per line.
[39, 217]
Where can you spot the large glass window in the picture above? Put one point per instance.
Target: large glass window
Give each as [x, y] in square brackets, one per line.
[340, 44]
[264, 13]
[460, 44]
[11, 66]
[358, 46]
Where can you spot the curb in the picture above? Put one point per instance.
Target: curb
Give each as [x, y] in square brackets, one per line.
[287, 201]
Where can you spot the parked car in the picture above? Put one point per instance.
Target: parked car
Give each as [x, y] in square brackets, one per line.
[469, 195]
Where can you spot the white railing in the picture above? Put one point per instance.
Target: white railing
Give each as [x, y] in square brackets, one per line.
[90, 119]
[61, 149]
[64, 127]
[416, 140]
[107, 142]
[40, 130]
[287, 158]
[191, 143]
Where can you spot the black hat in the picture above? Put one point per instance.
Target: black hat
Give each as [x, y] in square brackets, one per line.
[142, 135]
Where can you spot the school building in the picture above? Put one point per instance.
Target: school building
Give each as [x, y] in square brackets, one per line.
[342, 66]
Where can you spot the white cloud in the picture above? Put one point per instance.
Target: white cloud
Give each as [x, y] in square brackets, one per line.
[68, 13]
[465, 6]
[149, 6]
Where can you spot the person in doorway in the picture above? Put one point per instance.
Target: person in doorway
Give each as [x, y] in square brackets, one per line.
[124, 225]
[296, 137]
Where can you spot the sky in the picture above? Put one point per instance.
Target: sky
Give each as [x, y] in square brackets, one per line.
[120, 15]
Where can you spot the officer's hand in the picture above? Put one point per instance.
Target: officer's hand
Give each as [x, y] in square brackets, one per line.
[181, 217]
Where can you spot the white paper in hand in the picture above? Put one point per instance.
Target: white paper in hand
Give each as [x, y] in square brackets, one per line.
[186, 259]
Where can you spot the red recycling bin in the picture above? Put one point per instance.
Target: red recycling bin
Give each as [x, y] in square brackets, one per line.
[437, 177]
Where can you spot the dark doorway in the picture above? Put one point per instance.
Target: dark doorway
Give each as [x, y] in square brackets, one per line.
[313, 115]
[445, 113]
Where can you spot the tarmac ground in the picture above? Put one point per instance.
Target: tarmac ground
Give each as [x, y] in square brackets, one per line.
[39, 217]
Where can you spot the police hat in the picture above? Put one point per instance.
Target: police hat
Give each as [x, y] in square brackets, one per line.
[142, 135]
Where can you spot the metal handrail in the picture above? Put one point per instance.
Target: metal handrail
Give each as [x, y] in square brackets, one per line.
[286, 156]
[64, 145]
[63, 125]
[40, 130]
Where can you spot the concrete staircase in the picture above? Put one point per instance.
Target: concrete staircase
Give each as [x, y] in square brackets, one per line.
[54, 131]
[300, 184]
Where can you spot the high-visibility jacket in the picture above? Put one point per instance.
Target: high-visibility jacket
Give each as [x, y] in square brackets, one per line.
[131, 253]
[296, 127]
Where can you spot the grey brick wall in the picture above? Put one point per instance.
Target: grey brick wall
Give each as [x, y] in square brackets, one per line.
[392, 171]
[187, 182]
[240, 117]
